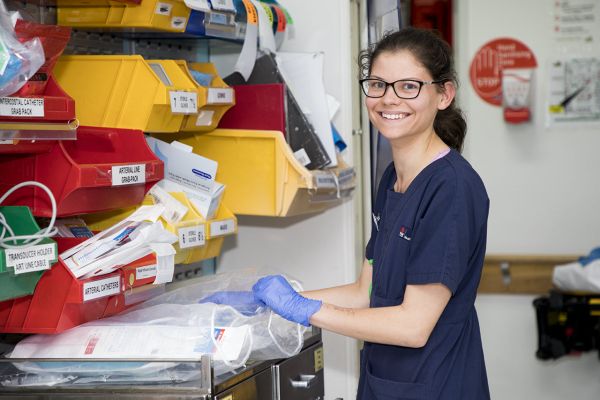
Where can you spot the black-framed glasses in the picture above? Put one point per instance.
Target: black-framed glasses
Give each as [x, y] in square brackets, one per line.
[404, 88]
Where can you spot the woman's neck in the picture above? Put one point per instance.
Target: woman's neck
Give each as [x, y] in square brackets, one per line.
[411, 157]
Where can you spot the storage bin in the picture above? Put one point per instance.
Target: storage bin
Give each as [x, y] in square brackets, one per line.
[151, 15]
[125, 91]
[40, 115]
[14, 282]
[263, 177]
[61, 301]
[210, 233]
[103, 169]
[219, 98]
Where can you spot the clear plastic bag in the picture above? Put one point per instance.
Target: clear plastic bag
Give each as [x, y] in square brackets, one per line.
[18, 61]
[173, 325]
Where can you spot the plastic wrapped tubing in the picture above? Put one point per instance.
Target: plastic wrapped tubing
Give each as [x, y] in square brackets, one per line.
[174, 325]
[18, 61]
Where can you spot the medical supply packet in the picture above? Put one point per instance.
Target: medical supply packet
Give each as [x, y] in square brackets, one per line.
[184, 167]
[135, 237]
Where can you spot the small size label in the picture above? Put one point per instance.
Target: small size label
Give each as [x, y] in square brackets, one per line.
[128, 174]
[101, 288]
[21, 107]
[302, 157]
[319, 362]
[178, 22]
[191, 236]
[30, 259]
[184, 102]
[220, 228]
[148, 271]
[223, 5]
[10, 141]
[163, 9]
[325, 181]
[220, 96]
[205, 118]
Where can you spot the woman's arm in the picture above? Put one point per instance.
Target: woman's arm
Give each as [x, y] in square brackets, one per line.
[409, 324]
[353, 295]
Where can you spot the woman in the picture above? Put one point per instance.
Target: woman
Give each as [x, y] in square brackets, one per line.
[413, 303]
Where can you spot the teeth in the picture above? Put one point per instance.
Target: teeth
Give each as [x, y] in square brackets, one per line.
[393, 116]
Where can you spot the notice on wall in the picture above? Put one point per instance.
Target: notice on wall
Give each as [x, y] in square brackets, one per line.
[576, 21]
[574, 90]
[489, 62]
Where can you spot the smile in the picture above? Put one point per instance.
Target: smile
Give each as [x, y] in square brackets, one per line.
[394, 116]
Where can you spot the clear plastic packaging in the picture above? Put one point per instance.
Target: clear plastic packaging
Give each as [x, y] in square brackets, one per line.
[174, 325]
[18, 61]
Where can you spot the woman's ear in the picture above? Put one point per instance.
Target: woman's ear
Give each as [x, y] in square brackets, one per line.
[447, 95]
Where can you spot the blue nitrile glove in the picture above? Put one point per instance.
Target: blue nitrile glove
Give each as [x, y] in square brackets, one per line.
[276, 292]
[594, 255]
[242, 301]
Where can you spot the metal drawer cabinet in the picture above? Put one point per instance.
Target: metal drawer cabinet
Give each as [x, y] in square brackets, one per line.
[257, 387]
[300, 377]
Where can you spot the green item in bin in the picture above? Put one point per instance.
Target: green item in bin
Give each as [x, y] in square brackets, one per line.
[15, 280]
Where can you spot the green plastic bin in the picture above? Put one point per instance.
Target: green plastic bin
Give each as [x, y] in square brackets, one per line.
[20, 268]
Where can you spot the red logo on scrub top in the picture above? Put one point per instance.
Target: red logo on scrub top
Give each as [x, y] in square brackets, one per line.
[404, 233]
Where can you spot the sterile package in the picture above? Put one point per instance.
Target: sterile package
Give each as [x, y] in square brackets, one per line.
[183, 166]
[135, 237]
[18, 61]
[181, 323]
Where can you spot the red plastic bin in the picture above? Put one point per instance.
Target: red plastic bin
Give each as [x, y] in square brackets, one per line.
[58, 105]
[80, 173]
[59, 108]
[59, 301]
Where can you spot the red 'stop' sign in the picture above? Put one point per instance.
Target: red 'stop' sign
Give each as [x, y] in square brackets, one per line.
[491, 59]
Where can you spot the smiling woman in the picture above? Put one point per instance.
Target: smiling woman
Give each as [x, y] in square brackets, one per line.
[413, 304]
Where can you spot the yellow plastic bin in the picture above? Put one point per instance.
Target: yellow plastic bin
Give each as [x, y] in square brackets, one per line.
[263, 177]
[152, 15]
[125, 91]
[219, 98]
[199, 239]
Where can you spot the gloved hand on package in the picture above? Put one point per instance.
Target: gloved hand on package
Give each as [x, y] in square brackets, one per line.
[276, 292]
[242, 301]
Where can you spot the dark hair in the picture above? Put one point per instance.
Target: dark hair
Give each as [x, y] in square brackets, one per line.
[436, 56]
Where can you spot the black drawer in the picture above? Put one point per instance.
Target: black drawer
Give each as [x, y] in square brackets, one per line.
[301, 377]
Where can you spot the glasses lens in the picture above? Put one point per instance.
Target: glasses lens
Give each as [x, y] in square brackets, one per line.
[374, 87]
[407, 89]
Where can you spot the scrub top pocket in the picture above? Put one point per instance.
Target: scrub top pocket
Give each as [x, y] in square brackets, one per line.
[384, 389]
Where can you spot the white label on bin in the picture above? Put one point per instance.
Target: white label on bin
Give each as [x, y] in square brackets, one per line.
[128, 174]
[220, 96]
[163, 9]
[178, 22]
[220, 228]
[199, 5]
[302, 157]
[101, 288]
[145, 272]
[325, 181]
[21, 107]
[31, 258]
[191, 236]
[10, 141]
[183, 102]
[223, 5]
[205, 118]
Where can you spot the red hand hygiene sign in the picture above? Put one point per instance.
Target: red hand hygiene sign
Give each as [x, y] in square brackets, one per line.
[491, 59]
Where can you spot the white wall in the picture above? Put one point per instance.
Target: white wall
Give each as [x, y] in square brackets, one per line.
[319, 250]
[543, 183]
[544, 190]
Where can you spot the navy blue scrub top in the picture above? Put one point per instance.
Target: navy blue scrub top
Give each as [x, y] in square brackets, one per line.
[435, 232]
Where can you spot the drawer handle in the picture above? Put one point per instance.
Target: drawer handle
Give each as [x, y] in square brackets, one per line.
[304, 381]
